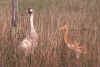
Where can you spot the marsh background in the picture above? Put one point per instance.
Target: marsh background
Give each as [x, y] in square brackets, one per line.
[82, 18]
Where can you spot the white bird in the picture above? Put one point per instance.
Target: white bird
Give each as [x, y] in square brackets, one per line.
[31, 40]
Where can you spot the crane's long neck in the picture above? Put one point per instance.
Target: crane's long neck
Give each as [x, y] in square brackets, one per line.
[66, 35]
[31, 22]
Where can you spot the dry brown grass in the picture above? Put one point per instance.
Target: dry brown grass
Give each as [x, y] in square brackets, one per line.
[51, 51]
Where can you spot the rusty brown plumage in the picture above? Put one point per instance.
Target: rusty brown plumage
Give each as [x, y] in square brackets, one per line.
[73, 45]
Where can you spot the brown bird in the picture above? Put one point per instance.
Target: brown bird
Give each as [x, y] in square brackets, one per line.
[31, 40]
[73, 45]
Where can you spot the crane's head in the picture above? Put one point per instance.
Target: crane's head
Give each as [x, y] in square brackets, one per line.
[63, 27]
[29, 11]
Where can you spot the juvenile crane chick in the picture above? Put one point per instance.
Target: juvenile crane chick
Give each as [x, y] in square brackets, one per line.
[73, 45]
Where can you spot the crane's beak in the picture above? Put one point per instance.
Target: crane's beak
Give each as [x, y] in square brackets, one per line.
[26, 12]
[63, 27]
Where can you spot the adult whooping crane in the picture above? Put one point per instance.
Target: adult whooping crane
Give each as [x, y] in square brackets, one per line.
[31, 40]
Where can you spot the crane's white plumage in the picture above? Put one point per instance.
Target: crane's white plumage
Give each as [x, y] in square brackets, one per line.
[26, 43]
[30, 41]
